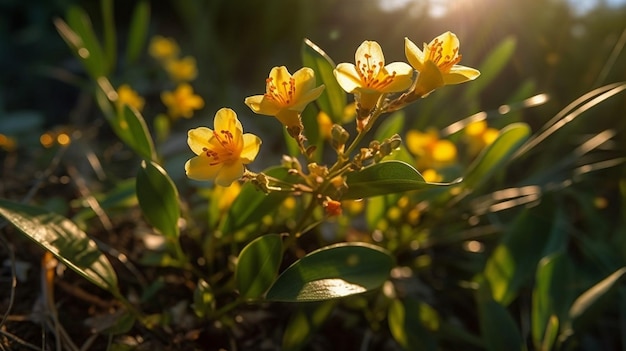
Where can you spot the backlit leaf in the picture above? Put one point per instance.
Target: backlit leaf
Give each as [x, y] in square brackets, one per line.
[257, 265]
[158, 198]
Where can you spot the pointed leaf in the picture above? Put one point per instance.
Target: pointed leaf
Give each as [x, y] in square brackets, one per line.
[158, 198]
[593, 300]
[407, 327]
[333, 271]
[135, 133]
[138, 31]
[64, 240]
[333, 99]
[258, 264]
[78, 33]
[385, 178]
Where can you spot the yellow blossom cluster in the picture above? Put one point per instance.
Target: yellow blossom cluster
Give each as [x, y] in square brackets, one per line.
[432, 153]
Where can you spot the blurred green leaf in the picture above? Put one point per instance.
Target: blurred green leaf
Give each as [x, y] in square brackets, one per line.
[64, 240]
[333, 99]
[514, 260]
[138, 31]
[491, 67]
[392, 124]
[110, 36]
[498, 328]
[385, 178]
[549, 299]
[257, 265]
[158, 198]
[586, 307]
[251, 205]
[304, 323]
[407, 325]
[79, 35]
[203, 299]
[496, 155]
[333, 271]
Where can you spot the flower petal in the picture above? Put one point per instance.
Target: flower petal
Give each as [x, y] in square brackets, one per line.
[449, 45]
[279, 75]
[226, 119]
[347, 77]
[229, 173]
[414, 55]
[199, 168]
[259, 104]
[403, 77]
[306, 98]
[198, 139]
[304, 80]
[459, 74]
[251, 146]
[370, 54]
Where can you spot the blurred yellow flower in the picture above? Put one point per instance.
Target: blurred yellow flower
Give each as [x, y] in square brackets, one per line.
[431, 151]
[286, 96]
[162, 48]
[183, 70]
[478, 136]
[226, 195]
[223, 152]
[7, 143]
[126, 96]
[370, 78]
[431, 176]
[437, 64]
[325, 124]
[182, 101]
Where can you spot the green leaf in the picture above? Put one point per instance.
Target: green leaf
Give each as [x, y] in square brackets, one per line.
[586, 307]
[251, 205]
[391, 125]
[407, 326]
[491, 67]
[79, 35]
[136, 134]
[496, 155]
[550, 298]
[333, 99]
[304, 323]
[333, 271]
[257, 265]
[138, 31]
[385, 178]
[158, 198]
[514, 260]
[110, 37]
[64, 240]
[498, 328]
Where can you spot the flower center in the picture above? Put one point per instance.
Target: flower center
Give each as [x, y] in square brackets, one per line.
[225, 151]
[445, 63]
[282, 94]
[369, 73]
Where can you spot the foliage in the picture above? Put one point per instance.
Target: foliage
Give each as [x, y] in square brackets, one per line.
[388, 220]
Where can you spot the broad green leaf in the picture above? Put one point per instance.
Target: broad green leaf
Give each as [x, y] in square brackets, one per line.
[64, 240]
[158, 198]
[550, 297]
[392, 124]
[333, 99]
[592, 301]
[407, 325]
[385, 178]
[496, 155]
[514, 260]
[136, 134]
[498, 328]
[257, 265]
[304, 323]
[491, 67]
[79, 35]
[333, 271]
[138, 31]
[251, 205]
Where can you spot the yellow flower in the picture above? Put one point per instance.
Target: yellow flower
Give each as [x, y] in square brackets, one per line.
[431, 151]
[183, 70]
[127, 96]
[7, 143]
[286, 96]
[370, 78]
[437, 64]
[223, 152]
[478, 136]
[182, 101]
[162, 48]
